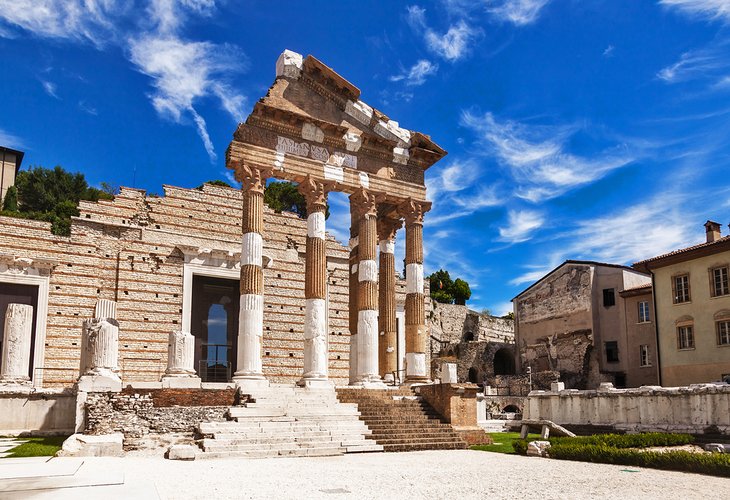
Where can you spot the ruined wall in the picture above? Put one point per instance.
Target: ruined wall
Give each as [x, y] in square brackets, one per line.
[450, 323]
[132, 250]
[697, 409]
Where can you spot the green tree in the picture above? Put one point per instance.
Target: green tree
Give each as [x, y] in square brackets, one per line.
[284, 196]
[10, 203]
[214, 182]
[53, 195]
[461, 291]
[509, 315]
[441, 287]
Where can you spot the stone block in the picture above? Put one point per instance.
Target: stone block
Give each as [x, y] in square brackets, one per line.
[181, 383]
[538, 448]
[182, 452]
[82, 445]
[448, 373]
[557, 386]
[99, 383]
[716, 448]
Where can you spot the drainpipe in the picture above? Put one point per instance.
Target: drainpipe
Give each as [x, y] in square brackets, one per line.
[656, 327]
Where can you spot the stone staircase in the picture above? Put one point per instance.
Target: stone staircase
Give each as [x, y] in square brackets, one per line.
[287, 421]
[401, 421]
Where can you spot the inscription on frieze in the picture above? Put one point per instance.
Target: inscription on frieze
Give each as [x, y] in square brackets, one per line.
[320, 153]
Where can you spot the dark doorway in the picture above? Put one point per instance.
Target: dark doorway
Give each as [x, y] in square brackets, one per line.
[214, 323]
[12, 293]
[473, 375]
[504, 362]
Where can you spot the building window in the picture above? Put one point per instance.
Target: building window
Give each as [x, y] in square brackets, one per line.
[644, 311]
[685, 337]
[681, 289]
[720, 282]
[611, 351]
[723, 332]
[644, 355]
[609, 297]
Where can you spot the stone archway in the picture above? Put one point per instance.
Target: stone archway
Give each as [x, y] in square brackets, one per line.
[504, 362]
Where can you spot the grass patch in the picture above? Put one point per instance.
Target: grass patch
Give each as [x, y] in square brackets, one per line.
[46, 446]
[502, 442]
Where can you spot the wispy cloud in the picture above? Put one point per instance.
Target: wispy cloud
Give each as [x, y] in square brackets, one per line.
[608, 51]
[417, 74]
[538, 159]
[452, 45]
[711, 63]
[86, 108]
[183, 72]
[50, 89]
[713, 10]
[518, 12]
[521, 225]
[12, 141]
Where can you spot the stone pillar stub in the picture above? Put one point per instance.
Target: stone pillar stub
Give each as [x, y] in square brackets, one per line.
[16, 344]
[316, 348]
[180, 371]
[101, 343]
[416, 334]
[251, 315]
[448, 373]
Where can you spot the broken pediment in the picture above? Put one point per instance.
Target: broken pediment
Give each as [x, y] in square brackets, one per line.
[313, 122]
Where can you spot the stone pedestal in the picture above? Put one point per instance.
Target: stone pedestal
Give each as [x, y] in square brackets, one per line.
[102, 354]
[448, 373]
[180, 371]
[251, 316]
[16, 344]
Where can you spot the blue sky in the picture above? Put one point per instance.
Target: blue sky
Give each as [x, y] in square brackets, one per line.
[583, 129]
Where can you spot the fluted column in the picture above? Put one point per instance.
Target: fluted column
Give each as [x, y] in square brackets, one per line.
[387, 340]
[180, 355]
[353, 289]
[251, 315]
[16, 344]
[364, 203]
[416, 334]
[315, 285]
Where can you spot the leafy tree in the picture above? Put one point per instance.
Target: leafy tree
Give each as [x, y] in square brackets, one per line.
[441, 287]
[214, 182]
[509, 315]
[110, 189]
[461, 291]
[10, 203]
[284, 196]
[52, 195]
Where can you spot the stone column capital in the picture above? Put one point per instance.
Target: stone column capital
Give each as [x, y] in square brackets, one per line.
[414, 210]
[315, 193]
[364, 203]
[252, 178]
[387, 227]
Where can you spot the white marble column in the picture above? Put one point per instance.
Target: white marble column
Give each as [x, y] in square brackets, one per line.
[251, 316]
[180, 371]
[102, 356]
[16, 344]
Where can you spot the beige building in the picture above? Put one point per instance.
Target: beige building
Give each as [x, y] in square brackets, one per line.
[573, 321]
[641, 367]
[10, 161]
[692, 295]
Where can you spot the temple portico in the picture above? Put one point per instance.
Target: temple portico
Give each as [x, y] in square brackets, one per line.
[312, 129]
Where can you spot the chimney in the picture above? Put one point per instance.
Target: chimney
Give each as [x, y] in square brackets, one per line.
[712, 229]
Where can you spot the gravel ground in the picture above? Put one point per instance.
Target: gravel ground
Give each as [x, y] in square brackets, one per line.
[428, 474]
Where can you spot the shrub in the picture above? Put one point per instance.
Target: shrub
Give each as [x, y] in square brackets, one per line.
[520, 446]
[644, 440]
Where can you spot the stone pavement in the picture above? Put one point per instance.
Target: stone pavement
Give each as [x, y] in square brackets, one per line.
[7, 444]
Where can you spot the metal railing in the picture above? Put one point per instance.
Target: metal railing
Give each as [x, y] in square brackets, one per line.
[215, 366]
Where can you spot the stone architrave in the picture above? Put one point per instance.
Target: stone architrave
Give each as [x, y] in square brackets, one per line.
[251, 316]
[102, 355]
[416, 335]
[388, 337]
[315, 285]
[16, 344]
[364, 204]
[180, 371]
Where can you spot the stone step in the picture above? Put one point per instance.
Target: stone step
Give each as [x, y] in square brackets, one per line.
[423, 446]
[279, 447]
[209, 427]
[350, 439]
[302, 452]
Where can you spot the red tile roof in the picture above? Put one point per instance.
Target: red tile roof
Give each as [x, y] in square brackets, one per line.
[721, 242]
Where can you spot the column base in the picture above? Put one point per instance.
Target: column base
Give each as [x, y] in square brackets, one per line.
[316, 383]
[370, 382]
[181, 382]
[99, 383]
[246, 383]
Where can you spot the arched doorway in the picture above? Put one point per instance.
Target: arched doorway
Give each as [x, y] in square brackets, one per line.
[504, 362]
[473, 375]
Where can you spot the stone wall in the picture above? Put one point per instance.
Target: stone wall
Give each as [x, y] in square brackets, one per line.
[451, 324]
[697, 409]
[136, 413]
[133, 250]
[457, 405]
[37, 411]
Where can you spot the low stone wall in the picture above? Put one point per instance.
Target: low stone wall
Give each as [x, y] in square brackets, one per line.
[37, 411]
[457, 404]
[697, 409]
[136, 412]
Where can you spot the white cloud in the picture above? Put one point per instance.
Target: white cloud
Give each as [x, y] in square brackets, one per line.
[518, 12]
[704, 9]
[521, 225]
[50, 89]
[452, 45]
[608, 52]
[11, 141]
[417, 74]
[83, 106]
[711, 63]
[538, 159]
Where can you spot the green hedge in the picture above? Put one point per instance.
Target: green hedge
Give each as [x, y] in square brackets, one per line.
[716, 464]
[645, 440]
[520, 446]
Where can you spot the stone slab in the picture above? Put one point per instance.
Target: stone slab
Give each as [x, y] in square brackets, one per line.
[51, 468]
[55, 482]
[81, 445]
[99, 383]
[24, 460]
[182, 452]
[181, 383]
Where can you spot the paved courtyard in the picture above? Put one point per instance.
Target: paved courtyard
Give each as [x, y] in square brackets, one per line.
[427, 474]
